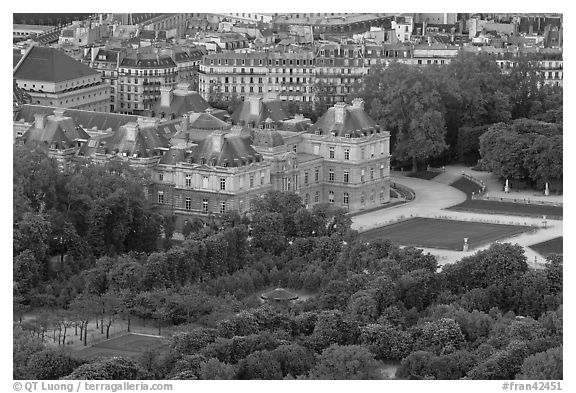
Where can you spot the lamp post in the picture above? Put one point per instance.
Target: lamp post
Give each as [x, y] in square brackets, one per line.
[465, 246]
[507, 187]
[546, 191]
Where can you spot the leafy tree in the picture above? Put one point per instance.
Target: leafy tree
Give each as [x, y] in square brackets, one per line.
[259, 365]
[418, 365]
[107, 369]
[214, 369]
[51, 364]
[442, 336]
[543, 365]
[294, 359]
[24, 346]
[385, 341]
[346, 362]
[331, 328]
[268, 233]
[454, 365]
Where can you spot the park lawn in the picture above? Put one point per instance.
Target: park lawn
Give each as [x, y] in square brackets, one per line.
[509, 208]
[466, 186]
[426, 175]
[129, 345]
[444, 234]
[552, 246]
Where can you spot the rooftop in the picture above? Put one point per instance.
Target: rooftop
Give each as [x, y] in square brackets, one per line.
[51, 65]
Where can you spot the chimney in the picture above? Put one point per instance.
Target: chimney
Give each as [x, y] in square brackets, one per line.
[59, 113]
[165, 96]
[358, 103]
[39, 120]
[131, 131]
[217, 141]
[339, 110]
[185, 122]
[93, 53]
[254, 105]
[236, 130]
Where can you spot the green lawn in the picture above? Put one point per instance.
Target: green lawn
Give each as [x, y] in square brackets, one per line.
[509, 208]
[466, 186]
[426, 175]
[552, 246]
[445, 234]
[128, 345]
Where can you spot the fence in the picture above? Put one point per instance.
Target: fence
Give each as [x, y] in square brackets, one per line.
[526, 201]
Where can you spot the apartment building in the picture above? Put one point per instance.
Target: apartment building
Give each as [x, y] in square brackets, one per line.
[140, 77]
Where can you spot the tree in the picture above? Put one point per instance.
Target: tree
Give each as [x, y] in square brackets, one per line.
[385, 341]
[422, 139]
[331, 328]
[346, 362]
[110, 369]
[442, 336]
[294, 359]
[51, 364]
[214, 369]
[543, 365]
[259, 365]
[268, 232]
[28, 272]
[418, 365]
[24, 346]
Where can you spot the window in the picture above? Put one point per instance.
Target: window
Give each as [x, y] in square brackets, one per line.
[371, 173]
[331, 151]
[382, 194]
[188, 204]
[251, 181]
[346, 176]
[204, 181]
[362, 150]
[372, 148]
[222, 183]
[222, 207]
[381, 170]
[362, 175]
[362, 199]
[205, 205]
[188, 180]
[306, 199]
[316, 174]
[161, 177]
[331, 175]
[261, 178]
[331, 196]
[305, 177]
[346, 198]
[160, 197]
[346, 153]
[372, 196]
[381, 147]
[316, 149]
[317, 196]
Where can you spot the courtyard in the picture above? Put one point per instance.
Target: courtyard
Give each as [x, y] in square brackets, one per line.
[444, 234]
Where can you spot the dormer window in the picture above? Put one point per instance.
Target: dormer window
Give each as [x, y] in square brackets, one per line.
[347, 136]
[317, 132]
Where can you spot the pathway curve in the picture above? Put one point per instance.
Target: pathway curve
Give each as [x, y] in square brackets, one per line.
[432, 197]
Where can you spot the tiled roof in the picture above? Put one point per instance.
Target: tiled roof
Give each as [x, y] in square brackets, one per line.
[60, 131]
[147, 142]
[67, 33]
[16, 59]
[86, 119]
[236, 151]
[356, 123]
[267, 138]
[182, 103]
[148, 61]
[267, 109]
[51, 65]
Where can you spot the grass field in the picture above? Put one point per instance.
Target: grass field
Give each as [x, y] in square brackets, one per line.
[426, 175]
[509, 208]
[445, 234]
[466, 186]
[552, 246]
[128, 345]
